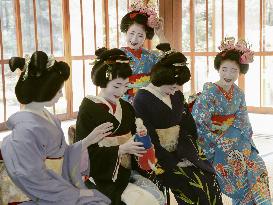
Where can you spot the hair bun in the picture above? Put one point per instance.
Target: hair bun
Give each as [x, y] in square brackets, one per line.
[175, 57]
[63, 68]
[164, 47]
[38, 62]
[16, 62]
[100, 51]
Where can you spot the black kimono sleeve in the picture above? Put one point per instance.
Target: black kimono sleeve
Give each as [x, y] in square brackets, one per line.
[165, 158]
[102, 159]
[187, 142]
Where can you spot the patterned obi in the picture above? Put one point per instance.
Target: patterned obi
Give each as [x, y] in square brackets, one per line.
[10, 194]
[138, 81]
[169, 137]
[220, 123]
[125, 159]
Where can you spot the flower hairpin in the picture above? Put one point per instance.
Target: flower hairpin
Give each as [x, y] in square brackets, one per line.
[148, 10]
[241, 46]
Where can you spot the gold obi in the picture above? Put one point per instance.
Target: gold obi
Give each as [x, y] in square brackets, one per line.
[125, 159]
[55, 165]
[169, 137]
[9, 192]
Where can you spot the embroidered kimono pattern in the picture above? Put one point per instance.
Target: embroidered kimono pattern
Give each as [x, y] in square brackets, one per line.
[173, 133]
[110, 177]
[141, 68]
[25, 152]
[225, 135]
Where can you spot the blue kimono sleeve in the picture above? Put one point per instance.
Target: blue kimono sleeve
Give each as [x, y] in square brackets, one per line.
[242, 120]
[201, 113]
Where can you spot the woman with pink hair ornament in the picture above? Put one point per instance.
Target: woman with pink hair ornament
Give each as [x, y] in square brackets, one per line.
[224, 129]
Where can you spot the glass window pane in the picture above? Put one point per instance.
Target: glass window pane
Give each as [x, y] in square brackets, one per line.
[43, 26]
[213, 74]
[57, 27]
[8, 29]
[88, 25]
[12, 103]
[268, 27]
[77, 83]
[200, 25]
[112, 15]
[187, 86]
[267, 83]
[186, 25]
[1, 97]
[252, 23]
[252, 83]
[122, 10]
[211, 27]
[90, 88]
[218, 24]
[61, 105]
[27, 24]
[75, 27]
[231, 18]
[100, 24]
[201, 72]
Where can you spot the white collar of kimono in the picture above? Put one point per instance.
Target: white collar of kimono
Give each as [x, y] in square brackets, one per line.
[99, 99]
[156, 92]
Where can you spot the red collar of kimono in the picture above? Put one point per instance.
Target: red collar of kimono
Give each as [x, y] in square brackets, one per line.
[137, 53]
[228, 94]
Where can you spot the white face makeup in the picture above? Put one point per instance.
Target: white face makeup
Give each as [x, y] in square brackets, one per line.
[229, 73]
[135, 36]
[55, 99]
[115, 89]
[168, 89]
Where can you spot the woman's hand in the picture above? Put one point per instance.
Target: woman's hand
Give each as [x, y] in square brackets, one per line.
[97, 134]
[132, 147]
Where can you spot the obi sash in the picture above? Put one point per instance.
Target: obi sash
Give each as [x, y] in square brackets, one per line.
[10, 194]
[220, 123]
[136, 82]
[125, 159]
[169, 137]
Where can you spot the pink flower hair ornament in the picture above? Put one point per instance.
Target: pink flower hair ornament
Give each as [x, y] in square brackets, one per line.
[247, 55]
[148, 10]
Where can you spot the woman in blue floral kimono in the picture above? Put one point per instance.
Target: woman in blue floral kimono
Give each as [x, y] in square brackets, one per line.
[139, 24]
[225, 133]
[36, 156]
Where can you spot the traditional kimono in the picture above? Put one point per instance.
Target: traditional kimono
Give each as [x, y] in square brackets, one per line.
[225, 135]
[111, 172]
[141, 62]
[174, 136]
[41, 164]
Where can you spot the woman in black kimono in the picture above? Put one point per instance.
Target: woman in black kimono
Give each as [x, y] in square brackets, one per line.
[111, 158]
[165, 114]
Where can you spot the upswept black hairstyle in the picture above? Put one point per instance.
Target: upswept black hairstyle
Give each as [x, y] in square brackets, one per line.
[139, 18]
[233, 55]
[171, 69]
[109, 65]
[40, 79]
